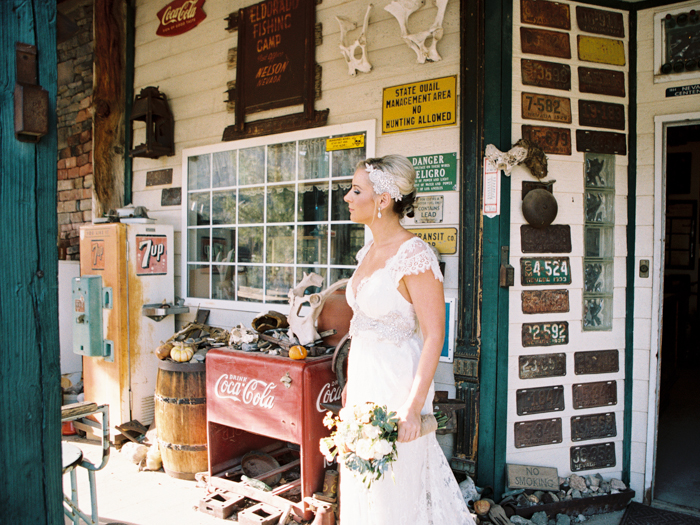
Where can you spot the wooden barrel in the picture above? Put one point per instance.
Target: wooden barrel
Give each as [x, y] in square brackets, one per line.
[181, 418]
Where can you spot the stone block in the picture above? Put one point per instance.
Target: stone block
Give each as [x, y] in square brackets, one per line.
[83, 114]
[61, 164]
[86, 204]
[87, 181]
[64, 185]
[76, 216]
[86, 194]
[73, 173]
[86, 136]
[83, 159]
[66, 207]
[74, 140]
[87, 216]
[85, 169]
[78, 183]
[71, 162]
[64, 153]
[63, 219]
[62, 174]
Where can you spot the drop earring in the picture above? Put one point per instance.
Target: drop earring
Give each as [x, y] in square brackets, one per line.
[379, 213]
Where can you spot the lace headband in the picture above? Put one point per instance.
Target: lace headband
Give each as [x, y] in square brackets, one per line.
[382, 182]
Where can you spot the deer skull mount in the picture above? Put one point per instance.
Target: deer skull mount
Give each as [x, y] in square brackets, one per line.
[522, 152]
[402, 10]
[355, 63]
[304, 328]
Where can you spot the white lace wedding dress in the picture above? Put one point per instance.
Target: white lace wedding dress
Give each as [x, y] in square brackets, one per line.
[383, 359]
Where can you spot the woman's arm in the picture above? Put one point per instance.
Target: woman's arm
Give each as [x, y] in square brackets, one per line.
[427, 296]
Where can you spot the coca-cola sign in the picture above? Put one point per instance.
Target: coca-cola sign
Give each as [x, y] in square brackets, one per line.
[328, 395]
[245, 390]
[180, 16]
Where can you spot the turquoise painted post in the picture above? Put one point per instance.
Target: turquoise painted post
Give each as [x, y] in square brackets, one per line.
[30, 433]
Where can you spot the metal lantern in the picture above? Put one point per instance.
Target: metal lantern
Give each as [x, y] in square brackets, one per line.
[151, 107]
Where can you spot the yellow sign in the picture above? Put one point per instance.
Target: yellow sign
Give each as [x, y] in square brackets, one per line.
[427, 104]
[353, 141]
[601, 50]
[444, 239]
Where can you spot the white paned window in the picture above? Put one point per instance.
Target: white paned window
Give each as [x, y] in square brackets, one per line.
[260, 212]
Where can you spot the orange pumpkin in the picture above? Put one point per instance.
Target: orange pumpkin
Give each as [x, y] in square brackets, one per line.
[298, 352]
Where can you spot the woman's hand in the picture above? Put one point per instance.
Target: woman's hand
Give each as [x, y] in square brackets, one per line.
[409, 424]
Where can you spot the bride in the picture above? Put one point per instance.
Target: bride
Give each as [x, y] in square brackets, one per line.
[397, 330]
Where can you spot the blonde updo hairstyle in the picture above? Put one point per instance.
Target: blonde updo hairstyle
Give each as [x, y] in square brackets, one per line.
[401, 169]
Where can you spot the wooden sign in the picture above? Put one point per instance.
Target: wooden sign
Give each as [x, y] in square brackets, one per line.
[591, 395]
[600, 21]
[596, 362]
[541, 365]
[545, 42]
[537, 271]
[545, 334]
[552, 140]
[593, 426]
[546, 107]
[537, 432]
[601, 114]
[601, 50]
[601, 142]
[555, 238]
[592, 457]
[601, 81]
[180, 16]
[443, 239]
[531, 477]
[545, 13]
[539, 400]
[545, 74]
[420, 105]
[545, 301]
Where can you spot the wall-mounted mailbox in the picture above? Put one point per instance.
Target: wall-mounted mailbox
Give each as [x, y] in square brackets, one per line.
[31, 100]
[89, 299]
[151, 106]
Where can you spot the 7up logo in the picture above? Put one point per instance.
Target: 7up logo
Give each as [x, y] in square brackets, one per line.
[151, 255]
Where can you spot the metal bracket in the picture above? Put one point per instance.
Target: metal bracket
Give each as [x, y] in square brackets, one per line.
[506, 273]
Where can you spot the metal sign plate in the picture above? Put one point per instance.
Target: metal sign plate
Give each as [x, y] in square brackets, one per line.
[601, 81]
[600, 21]
[546, 74]
[591, 457]
[601, 50]
[545, 13]
[596, 362]
[593, 426]
[552, 140]
[443, 239]
[601, 114]
[545, 301]
[538, 432]
[555, 238]
[683, 90]
[545, 42]
[607, 142]
[598, 394]
[541, 365]
[546, 107]
[419, 105]
[532, 477]
[545, 334]
[539, 400]
[545, 270]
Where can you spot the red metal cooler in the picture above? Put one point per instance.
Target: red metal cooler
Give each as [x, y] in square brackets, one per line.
[255, 400]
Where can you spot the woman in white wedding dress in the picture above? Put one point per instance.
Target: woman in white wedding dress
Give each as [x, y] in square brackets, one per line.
[397, 334]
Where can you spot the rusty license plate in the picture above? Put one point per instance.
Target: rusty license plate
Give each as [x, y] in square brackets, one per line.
[601, 50]
[545, 301]
[546, 107]
[600, 21]
[545, 13]
[541, 365]
[545, 334]
[538, 432]
[545, 42]
[545, 270]
[552, 140]
[555, 238]
[539, 400]
[546, 74]
[606, 142]
[601, 114]
[597, 394]
[593, 426]
[591, 457]
[601, 81]
[596, 362]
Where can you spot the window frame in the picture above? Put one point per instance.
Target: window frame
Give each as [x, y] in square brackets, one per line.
[368, 127]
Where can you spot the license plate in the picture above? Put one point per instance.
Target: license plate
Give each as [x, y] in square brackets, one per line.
[545, 270]
[546, 107]
[542, 365]
[593, 426]
[596, 362]
[537, 433]
[539, 400]
[545, 334]
[598, 394]
[589, 457]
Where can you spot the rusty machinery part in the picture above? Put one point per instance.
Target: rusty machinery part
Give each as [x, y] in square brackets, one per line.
[340, 360]
[539, 208]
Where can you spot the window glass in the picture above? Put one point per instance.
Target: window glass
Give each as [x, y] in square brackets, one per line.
[312, 244]
[313, 159]
[281, 162]
[313, 202]
[224, 170]
[280, 203]
[198, 172]
[198, 213]
[252, 166]
[223, 207]
[280, 244]
[251, 205]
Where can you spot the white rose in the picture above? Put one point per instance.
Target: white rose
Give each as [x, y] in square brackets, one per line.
[371, 432]
[326, 449]
[364, 449]
[381, 448]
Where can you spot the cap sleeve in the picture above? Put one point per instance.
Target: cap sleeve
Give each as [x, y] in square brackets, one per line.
[413, 258]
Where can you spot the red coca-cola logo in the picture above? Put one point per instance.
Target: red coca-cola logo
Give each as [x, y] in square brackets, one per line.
[180, 16]
[245, 390]
[329, 393]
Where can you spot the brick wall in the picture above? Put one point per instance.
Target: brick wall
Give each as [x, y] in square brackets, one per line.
[74, 112]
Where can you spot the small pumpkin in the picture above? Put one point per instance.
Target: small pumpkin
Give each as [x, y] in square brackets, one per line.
[298, 352]
[181, 353]
[163, 351]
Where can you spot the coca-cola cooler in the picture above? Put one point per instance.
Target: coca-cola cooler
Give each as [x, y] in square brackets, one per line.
[257, 401]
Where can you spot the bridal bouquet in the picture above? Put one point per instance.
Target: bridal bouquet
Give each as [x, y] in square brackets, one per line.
[365, 439]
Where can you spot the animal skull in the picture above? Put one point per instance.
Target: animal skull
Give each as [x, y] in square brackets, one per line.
[506, 160]
[354, 63]
[304, 328]
[402, 10]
